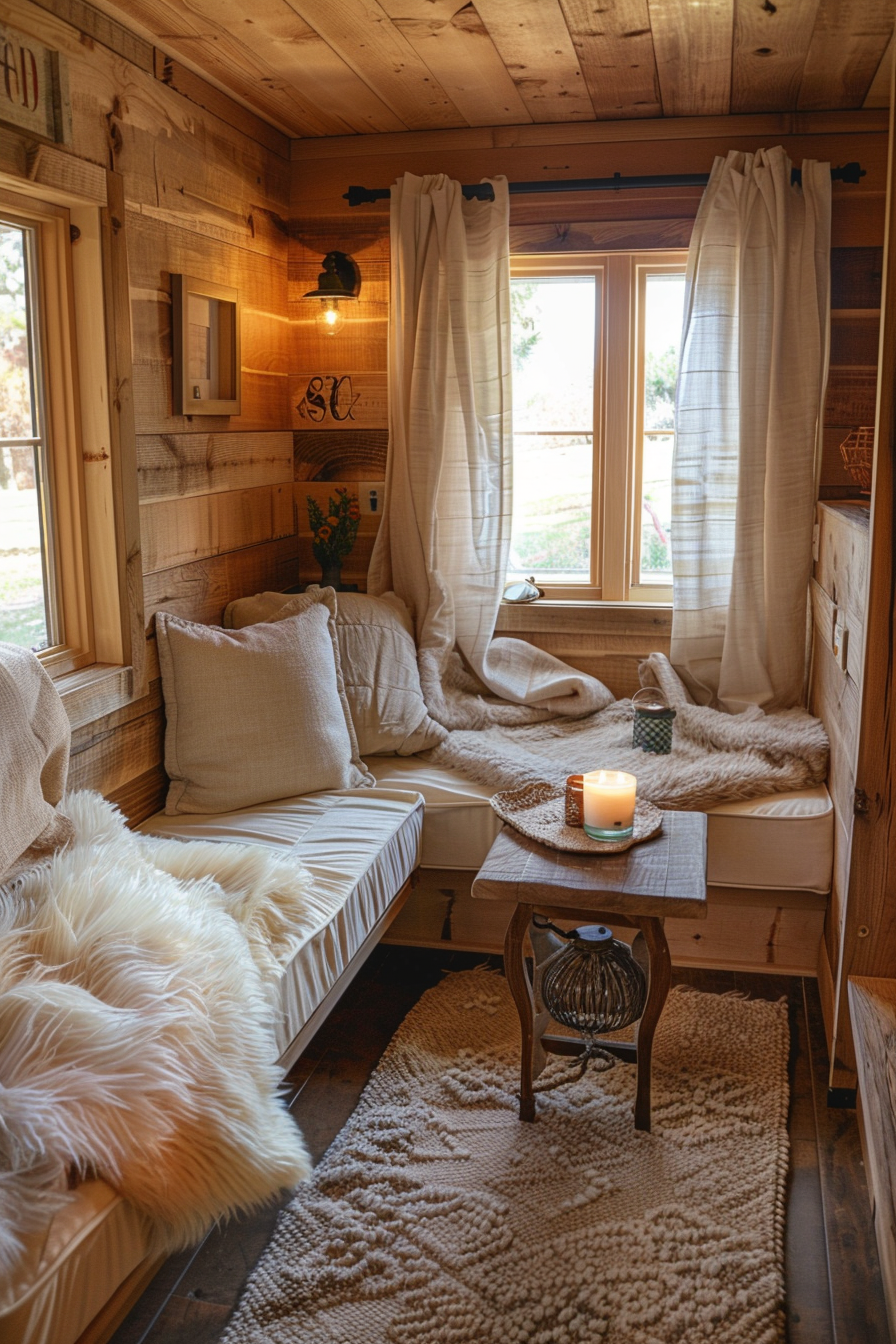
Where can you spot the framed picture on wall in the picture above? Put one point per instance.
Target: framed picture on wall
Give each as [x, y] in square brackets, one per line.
[205, 327]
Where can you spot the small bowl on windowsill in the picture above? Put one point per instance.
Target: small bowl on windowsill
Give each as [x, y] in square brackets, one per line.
[522, 590]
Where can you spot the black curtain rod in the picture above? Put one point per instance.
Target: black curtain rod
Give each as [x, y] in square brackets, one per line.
[482, 191]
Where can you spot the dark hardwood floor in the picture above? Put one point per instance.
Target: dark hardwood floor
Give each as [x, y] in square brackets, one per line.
[834, 1293]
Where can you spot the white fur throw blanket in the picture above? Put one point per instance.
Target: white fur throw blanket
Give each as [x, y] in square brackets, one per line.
[716, 758]
[138, 987]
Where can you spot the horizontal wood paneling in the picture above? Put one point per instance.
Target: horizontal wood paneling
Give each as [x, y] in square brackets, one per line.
[326, 455]
[628, 235]
[142, 796]
[607, 642]
[761, 126]
[264, 402]
[178, 531]
[199, 464]
[856, 274]
[186, 82]
[750, 933]
[110, 760]
[205, 192]
[201, 590]
[747, 937]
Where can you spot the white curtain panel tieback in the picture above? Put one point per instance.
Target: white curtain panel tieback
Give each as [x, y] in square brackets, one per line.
[751, 385]
[444, 537]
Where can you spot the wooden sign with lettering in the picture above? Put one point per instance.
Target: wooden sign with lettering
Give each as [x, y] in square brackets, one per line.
[338, 400]
[33, 87]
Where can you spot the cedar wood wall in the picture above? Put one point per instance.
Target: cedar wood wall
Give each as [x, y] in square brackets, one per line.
[210, 190]
[206, 188]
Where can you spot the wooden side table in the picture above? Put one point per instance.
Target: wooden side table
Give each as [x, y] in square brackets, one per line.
[639, 888]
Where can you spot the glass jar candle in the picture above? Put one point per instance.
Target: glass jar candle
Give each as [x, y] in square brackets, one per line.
[608, 804]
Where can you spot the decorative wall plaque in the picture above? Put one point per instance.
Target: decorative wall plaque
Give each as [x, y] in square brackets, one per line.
[328, 397]
[339, 399]
[33, 87]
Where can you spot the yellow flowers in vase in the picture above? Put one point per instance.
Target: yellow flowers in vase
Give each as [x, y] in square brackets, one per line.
[333, 533]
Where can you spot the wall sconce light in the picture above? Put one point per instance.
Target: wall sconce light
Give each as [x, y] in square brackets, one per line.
[339, 280]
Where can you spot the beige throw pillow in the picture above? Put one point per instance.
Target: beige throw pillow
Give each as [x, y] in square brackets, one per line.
[379, 664]
[255, 714]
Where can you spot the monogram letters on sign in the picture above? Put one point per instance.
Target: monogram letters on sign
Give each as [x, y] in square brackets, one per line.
[33, 87]
[328, 396]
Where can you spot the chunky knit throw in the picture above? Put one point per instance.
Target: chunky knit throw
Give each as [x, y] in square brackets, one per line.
[716, 758]
[438, 1216]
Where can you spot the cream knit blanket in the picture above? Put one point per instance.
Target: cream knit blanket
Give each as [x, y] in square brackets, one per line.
[34, 747]
[716, 758]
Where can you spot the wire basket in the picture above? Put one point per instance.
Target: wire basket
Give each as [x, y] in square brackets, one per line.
[857, 451]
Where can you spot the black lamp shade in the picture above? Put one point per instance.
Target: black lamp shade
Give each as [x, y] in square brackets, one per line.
[339, 279]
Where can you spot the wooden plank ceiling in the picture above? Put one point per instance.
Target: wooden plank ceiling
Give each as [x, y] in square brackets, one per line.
[337, 67]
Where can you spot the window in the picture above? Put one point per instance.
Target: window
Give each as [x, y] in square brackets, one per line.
[595, 350]
[43, 584]
[69, 531]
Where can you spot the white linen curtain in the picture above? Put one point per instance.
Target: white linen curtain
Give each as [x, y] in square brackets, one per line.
[751, 383]
[444, 537]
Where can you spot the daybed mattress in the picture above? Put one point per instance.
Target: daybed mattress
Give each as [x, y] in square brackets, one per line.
[361, 845]
[781, 842]
[71, 1271]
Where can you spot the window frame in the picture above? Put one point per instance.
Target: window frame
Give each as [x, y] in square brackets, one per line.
[54, 376]
[110, 670]
[618, 418]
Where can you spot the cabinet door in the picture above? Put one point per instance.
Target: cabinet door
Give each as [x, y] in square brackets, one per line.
[869, 917]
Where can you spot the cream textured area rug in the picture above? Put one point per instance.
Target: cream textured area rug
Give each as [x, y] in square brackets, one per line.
[438, 1218]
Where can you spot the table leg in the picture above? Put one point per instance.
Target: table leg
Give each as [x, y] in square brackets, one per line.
[657, 990]
[521, 989]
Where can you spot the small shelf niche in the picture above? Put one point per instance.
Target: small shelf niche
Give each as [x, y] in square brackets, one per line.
[206, 347]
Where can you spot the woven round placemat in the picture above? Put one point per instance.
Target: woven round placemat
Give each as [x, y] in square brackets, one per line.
[539, 812]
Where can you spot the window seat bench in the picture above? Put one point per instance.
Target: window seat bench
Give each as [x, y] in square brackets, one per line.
[769, 863]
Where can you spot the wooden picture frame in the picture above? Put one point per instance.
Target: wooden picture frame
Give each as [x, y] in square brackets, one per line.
[205, 327]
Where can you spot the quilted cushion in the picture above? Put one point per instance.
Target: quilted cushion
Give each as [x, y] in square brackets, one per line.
[379, 665]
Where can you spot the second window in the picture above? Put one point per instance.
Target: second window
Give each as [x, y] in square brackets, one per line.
[595, 356]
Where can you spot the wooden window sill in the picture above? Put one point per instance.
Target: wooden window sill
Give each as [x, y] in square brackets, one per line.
[549, 614]
[95, 691]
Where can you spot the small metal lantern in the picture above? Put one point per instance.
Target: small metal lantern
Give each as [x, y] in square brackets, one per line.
[652, 730]
[594, 984]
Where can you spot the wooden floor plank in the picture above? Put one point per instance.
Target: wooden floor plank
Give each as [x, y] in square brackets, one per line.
[805, 1253]
[857, 1301]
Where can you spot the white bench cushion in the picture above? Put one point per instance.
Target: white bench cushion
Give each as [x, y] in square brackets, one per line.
[360, 845]
[69, 1273]
[784, 841]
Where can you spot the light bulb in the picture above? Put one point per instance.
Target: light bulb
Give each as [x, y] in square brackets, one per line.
[330, 319]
